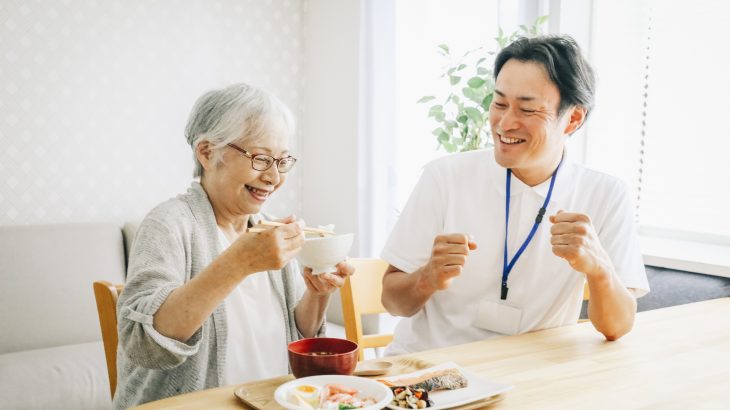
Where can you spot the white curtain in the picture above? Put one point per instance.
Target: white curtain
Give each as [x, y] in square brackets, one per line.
[376, 157]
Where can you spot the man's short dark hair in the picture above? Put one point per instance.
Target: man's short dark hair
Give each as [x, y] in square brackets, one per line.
[564, 63]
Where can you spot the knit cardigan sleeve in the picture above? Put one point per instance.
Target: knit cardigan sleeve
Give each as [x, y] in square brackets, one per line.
[159, 263]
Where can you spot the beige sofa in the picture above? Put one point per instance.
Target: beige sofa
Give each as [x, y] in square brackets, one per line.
[51, 354]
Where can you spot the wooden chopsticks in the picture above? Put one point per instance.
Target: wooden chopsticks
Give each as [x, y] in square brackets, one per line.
[314, 231]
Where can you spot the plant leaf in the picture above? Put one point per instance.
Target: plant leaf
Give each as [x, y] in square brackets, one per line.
[487, 101]
[462, 127]
[475, 82]
[435, 108]
[449, 147]
[502, 41]
[474, 115]
[473, 94]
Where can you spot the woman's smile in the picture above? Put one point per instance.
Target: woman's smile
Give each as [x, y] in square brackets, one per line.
[258, 194]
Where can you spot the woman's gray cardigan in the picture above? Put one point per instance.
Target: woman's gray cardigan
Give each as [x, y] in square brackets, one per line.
[177, 240]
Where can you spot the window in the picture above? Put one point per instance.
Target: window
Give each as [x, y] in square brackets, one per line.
[401, 66]
[420, 26]
[660, 112]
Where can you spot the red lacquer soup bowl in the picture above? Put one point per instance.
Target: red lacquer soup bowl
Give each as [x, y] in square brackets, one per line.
[322, 355]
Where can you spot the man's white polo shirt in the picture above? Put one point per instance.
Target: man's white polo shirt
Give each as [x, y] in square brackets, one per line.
[465, 193]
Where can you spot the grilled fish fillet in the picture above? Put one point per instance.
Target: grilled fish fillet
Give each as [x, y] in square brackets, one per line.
[446, 379]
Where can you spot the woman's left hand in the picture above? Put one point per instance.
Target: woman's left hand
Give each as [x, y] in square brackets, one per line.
[327, 283]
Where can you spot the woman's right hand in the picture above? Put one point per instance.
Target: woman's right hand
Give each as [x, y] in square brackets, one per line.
[270, 249]
[188, 306]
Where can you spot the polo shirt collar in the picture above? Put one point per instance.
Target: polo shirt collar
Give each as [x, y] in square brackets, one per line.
[565, 178]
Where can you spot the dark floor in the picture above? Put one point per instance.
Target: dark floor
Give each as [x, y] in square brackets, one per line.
[673, 287]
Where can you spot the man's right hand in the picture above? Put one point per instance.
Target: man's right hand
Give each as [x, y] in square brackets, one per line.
[448, 256]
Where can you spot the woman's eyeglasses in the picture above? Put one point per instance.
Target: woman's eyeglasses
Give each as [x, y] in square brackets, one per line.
[262, 162]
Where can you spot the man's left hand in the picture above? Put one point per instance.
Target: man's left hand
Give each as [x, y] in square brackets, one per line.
[574, 239]
[327, 283]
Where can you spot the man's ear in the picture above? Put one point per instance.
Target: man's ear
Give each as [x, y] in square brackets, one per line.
[577, 116]
[204, 153]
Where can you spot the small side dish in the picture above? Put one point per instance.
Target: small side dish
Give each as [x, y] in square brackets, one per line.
[412, 392]
[330, 397]
[410, 398]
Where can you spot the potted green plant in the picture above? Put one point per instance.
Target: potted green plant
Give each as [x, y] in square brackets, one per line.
[463, 116]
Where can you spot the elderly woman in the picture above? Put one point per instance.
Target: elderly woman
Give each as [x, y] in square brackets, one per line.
[206, 303]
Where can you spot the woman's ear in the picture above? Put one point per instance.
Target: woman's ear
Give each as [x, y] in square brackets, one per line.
[577, 116]
[204, 153]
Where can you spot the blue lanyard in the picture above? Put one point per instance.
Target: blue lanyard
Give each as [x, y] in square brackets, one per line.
[507, 268]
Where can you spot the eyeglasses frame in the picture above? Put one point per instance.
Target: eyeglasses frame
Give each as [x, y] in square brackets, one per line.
[250, 156]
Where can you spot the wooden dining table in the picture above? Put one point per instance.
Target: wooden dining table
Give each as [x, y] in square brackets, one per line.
[674, 358]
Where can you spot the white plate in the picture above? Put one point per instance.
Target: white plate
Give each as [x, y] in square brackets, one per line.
[366, 388]
[478, 388]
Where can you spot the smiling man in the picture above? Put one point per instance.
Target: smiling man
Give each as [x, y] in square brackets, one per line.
[502, 241]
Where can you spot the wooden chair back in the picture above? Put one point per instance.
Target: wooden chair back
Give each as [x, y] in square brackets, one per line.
[586, 297]
[361, 296]
[106, 295]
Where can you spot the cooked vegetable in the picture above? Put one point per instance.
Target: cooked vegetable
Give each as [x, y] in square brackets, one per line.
[410, 398]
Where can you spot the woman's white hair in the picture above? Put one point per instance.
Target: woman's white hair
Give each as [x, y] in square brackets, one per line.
[239, 111]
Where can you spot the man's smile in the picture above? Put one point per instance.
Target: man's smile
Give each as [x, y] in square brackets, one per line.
[510, 140]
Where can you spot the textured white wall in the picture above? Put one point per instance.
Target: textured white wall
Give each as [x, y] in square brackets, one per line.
[94, 96]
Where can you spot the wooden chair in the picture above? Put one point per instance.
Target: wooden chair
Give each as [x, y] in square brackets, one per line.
[361, 296]
[106, 295]
[586, 297]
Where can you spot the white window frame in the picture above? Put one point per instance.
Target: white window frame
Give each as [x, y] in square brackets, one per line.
[699, 253]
